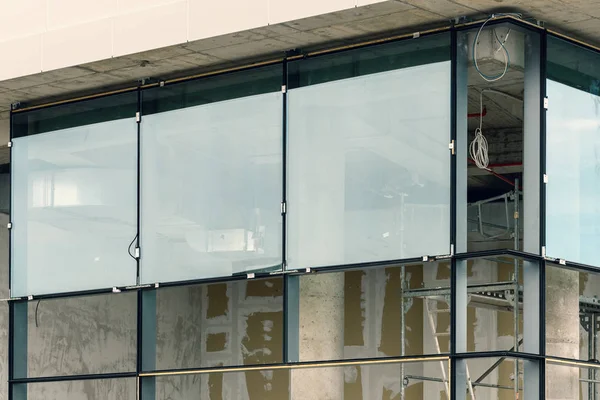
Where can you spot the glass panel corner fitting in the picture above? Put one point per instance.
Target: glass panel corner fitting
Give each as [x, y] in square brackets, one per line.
[74, 196]
[573, 153]
[369, 165]
[211, 172]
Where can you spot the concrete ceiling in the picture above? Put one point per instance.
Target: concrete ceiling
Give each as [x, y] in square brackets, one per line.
[579, 18]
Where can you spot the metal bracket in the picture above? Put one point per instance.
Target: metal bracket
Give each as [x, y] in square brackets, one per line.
[451, 147]
[137, 117]
[9, 225]
[250, 275]
[283, 207]
[136, 252]
[10, 144]
[283, 89]
[545, 103]
[416, 35]
[545, 178]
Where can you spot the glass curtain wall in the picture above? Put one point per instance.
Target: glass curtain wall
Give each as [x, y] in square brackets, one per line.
[74, 196]
[573, 153]
[368, 170]
[211, 177]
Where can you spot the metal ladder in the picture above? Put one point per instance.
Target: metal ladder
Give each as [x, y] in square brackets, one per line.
[436, 335]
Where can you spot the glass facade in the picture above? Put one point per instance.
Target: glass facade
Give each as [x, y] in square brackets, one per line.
[74, 199]
[212, 178]
[316, 227]
[573, 153]
[368, 158]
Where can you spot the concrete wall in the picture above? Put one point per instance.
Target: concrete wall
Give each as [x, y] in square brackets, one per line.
[44, 35]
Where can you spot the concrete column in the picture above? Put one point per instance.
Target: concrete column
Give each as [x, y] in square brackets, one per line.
[562, 332]
[316, 213]
[321, 337]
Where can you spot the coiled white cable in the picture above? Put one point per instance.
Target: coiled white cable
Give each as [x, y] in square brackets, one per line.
[478, 149]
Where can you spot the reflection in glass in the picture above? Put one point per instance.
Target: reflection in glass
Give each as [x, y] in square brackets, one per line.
[74, 208]
[220, 324]
[495, 378]
[408, 380]
[382, 312]
[89, 335]
[369, 167]
[573, 167]
[105, 389]
[211, 189]
[494, 319]
[572, 313]
[571, 381]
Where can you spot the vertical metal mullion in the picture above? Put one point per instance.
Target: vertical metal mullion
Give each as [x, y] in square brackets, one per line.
[10, 196]
[146, 345]
[284, 89]
[533, 206]
[291, 283]
[542, 224]
[139, 185]
[17, 350]
[458, 277]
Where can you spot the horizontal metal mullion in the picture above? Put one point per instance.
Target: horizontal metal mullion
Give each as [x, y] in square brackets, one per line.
[67, 378]
[500, 354]
[298, 365]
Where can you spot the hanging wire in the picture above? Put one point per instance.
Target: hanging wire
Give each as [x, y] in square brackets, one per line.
[478, 149]
[502, 47]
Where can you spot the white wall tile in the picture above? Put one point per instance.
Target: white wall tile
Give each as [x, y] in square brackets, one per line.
[21, 18]
[128, 6]
[150, 28]
[77, 44]
[360, 3]
[22, 56]
[63, 13]
[213, 18]
[287, 10]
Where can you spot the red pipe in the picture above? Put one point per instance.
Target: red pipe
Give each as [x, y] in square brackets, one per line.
[501, 165]
[497, 175]
[475, 115]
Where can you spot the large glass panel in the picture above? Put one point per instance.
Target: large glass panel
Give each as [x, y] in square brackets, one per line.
[105, 389]
[573, 153]
[382, 312]
[74, 197]
[82, 335]
[211, 177]
[415, 380]
[369, 165]
[220, 324]
[565, 380]
[246, 385]
[572, 313]
[495, 378]
[495, 304]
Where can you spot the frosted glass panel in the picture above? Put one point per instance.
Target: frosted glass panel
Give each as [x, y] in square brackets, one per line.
[211, 189]
[573, 168]
[74, 208]
[369, 168]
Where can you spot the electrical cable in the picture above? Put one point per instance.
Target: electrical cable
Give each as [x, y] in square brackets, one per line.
[129, 247]
[36, 314]
[478, 149]
[505, 52]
